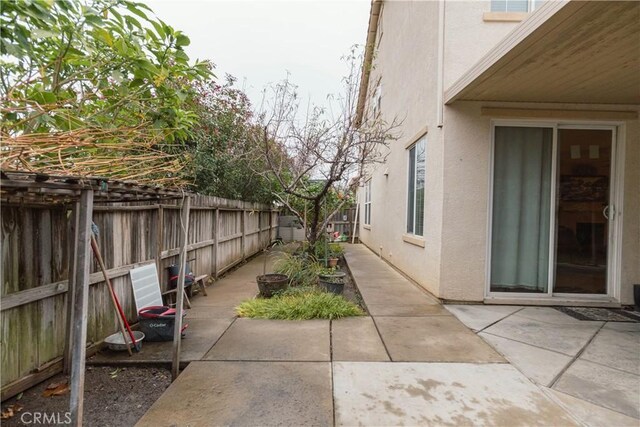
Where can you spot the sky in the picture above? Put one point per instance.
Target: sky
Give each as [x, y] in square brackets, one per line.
[259, 41]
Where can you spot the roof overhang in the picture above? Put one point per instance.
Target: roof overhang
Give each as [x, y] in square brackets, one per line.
[372, 30]
[565, 52]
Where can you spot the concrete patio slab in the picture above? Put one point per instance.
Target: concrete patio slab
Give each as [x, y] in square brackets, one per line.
[603, 386]
[440, 394]
[259, 339]
[623, 326]
[478, 317]
[433, 339]
[406, 294]
[540, 366]
[589, 414]
[616, 349]
[549, 315]
[246, 393]
[356, 338]
[410, 310]
[199, 337]
[568, 338]
[211, 312]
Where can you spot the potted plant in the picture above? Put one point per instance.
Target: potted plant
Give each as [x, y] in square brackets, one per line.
[335, 252]
[331, 280]
[269, 284]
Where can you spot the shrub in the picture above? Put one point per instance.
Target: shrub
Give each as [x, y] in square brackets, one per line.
[301, 303]
[336, 250]
[302, 269]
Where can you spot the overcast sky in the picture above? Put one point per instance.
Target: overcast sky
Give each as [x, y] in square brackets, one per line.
[259, 41]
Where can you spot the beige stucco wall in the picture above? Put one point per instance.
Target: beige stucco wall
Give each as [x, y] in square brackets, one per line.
[468, 37]
[406, 58]
[406, 64]
[630, 273]
[452, 264]
[466, 180]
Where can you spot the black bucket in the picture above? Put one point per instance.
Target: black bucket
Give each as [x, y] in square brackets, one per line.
[335, 287]
[174, 271]
[157, 323]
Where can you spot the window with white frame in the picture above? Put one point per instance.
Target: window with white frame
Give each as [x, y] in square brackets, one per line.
[515, 5]
[367, 203]
[415, 194]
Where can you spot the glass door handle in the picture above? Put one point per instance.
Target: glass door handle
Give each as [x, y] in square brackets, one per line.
[608, 210]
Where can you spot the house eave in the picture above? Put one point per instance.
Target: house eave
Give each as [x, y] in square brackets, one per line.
[367, 62]
[565, 52]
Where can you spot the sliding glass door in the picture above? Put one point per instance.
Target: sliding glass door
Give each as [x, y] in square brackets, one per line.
[582, 206]
[521, 209]
[550, 210]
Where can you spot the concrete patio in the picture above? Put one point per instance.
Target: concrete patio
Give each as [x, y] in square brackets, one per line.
[598, 362]
[411, 362]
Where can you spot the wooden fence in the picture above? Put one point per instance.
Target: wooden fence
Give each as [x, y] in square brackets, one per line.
[35, 258]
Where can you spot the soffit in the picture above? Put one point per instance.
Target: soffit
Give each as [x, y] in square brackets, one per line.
[566, 52]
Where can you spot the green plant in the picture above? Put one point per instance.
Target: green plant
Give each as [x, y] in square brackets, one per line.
[302, 269]
[95, 87]
[299, 304]
[336, 250]
[327, 270]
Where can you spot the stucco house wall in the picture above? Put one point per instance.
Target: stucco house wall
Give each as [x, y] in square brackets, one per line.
[408, 95]
[405, 65]
[450, 260]
[467, 178]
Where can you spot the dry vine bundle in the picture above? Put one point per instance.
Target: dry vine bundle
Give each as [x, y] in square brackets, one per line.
[130, 154]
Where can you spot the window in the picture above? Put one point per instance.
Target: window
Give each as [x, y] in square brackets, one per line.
[377, 100]
[515, 5]
[367, 203]
[415, 197]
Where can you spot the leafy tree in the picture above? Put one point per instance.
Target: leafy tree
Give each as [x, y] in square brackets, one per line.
[98, 87]
[327, 151]
[220, 144]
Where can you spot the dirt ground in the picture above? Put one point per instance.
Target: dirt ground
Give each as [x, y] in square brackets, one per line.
[350, 291]
[113, 397]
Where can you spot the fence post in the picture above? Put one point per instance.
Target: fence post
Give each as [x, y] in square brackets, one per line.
[216, 228]
[160, 241]
[243, 223]
[177, 327]
[71, 252]
[80, 307]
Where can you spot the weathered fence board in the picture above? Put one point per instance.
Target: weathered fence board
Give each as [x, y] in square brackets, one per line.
[35, 259]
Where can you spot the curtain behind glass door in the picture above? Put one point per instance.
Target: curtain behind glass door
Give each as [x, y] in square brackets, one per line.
[521, 209]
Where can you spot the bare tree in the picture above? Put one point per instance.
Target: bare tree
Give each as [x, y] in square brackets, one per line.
[325, 149]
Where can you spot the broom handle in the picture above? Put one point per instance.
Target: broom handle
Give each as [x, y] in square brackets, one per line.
[114, 299]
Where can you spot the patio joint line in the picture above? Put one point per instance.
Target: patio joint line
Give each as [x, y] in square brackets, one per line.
[499, 320]
[221, 335]
[333, 396]
[384, 344]
[526, 343]
[612, 367]
[573, 360]
[551, 391]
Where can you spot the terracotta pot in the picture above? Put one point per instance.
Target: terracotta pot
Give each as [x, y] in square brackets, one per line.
[333, 262]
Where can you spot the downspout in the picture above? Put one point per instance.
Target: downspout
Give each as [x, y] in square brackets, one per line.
[440, 109]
